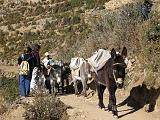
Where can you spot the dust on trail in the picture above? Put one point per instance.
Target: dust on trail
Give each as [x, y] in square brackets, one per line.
[16, 112]
[87, 109]
[9, 69]
[115, 4]
[84, 109]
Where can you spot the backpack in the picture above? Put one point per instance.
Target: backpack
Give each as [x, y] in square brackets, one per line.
[24, 66]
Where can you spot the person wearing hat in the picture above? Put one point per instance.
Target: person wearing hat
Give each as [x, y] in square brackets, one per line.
[47, 60]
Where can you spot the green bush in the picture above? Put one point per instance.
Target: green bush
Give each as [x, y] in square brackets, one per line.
[39, 10]
[151, 44]
[13, 18]
[47, 25]
[89, 3]
[46, 107]
[75, 19]
[10, 86]
[76, 3]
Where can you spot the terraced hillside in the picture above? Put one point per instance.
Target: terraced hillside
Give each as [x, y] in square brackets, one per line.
[58, 25]
[68, 28]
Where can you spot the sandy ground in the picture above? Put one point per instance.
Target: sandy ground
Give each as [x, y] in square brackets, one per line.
[10, 69]
[86, 109]
[82, 108]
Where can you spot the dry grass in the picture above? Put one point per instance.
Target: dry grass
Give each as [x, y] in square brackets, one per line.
[2, 103]
[9, 91]
[46, 107]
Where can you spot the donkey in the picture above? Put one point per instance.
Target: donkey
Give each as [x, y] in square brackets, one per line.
[53, 79]
[111, 75]
[82, 74]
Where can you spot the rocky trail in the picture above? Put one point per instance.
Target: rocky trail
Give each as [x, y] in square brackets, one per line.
[80, 108]
[86, 109]
[8, 71]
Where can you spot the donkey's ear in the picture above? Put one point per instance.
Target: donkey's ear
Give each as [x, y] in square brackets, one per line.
[124, 52]
[113, 53]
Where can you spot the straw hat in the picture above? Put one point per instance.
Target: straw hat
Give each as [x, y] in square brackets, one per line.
[47, 54]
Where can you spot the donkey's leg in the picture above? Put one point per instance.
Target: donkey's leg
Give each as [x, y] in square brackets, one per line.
[67, 85]
[62, 85]
[52, 85]
[112, 101]
[100, 89]
[48, 85]
[58, 87]
[43, 81]
[55, 87]
[84, 84]
[75, 87]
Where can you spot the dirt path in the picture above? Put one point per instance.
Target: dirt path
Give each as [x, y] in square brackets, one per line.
[115, 4]
[10, 69]
[87, 109]
[16, 112]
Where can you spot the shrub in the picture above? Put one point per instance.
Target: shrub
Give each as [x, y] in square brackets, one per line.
[10, 27]
[30, 36]
[10, 88]
[76, 3]
[13, 18]
[39, 10]
[46, 107]
[47, 25]
[151, 44]
[76, 19]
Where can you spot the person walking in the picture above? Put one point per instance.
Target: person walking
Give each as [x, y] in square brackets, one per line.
[25, 66]
[37, 66]
[48, 60]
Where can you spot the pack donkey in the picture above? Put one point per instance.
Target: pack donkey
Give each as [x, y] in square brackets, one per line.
[52, 78]
[111, 75]
[80, 71]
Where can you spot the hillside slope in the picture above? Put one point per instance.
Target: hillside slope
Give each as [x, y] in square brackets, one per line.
[56, 25]
[68, 28]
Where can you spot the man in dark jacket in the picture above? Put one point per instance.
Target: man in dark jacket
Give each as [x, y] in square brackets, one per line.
[37, 66]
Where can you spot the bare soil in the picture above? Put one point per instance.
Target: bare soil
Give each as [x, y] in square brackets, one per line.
[86, 109]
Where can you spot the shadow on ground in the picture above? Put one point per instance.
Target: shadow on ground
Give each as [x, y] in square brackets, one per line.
[139, 97]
